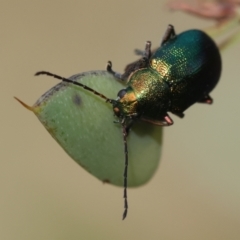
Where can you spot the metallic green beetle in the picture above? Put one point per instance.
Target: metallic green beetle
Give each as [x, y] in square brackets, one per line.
[182, 71]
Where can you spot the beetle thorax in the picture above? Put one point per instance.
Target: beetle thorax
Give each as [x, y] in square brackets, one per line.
[151, 92]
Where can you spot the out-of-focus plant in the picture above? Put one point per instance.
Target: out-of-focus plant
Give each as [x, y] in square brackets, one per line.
[220, 10]
[223, 12]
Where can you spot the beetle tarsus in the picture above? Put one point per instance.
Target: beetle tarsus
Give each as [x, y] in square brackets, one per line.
[115, 74]
[142, 63]
[206, 99]
[162, 121]
[125, 214]
[147, 52]
[168, 121]
[181, 115]
[169, 34]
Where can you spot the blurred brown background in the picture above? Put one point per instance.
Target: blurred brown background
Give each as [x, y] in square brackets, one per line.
[44, 194]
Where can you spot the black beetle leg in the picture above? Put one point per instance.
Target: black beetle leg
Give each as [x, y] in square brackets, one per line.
[115, 74]
[169, 34]
[206, 99]
[141, 63]
[132, 67]
[146, 52]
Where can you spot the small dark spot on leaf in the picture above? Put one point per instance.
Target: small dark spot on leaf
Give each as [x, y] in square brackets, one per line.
[77, 100]
[106, 181]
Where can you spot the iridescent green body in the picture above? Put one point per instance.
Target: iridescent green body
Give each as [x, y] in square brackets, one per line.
[184, 70]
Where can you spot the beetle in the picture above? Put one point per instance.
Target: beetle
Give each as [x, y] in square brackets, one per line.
[182, 71]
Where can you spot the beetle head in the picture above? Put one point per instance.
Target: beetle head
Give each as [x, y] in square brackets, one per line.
[125, 104]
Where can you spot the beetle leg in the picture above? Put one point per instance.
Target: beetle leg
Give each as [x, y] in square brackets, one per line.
[206, 99]
[181, 115]
[169, 34]
[119, 76]
[147, 51]
[168, 120]
[163, 121]
[130, 68]
[141, 63]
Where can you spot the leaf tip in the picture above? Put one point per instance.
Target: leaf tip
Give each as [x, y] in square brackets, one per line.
[25, 105]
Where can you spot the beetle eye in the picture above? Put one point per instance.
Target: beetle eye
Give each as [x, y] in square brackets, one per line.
[121, 93]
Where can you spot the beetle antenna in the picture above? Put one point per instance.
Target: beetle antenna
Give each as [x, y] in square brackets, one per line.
[75, 83]
[124, 132]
